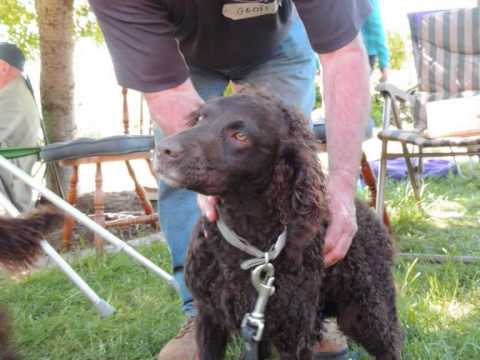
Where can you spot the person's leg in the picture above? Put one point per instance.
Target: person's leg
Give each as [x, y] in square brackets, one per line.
[290, 71]
[208, 83]
[178, 213]
[177, 208]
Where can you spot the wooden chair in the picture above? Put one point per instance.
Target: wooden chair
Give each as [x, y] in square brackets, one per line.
[111, 149]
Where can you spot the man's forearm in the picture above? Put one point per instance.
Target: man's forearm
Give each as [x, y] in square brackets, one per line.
[170, 108]
[346, 92]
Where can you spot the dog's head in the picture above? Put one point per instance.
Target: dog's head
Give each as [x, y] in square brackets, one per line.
[233, 141]
[250, 144]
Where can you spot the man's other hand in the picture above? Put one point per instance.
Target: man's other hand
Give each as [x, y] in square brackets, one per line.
[171, 108]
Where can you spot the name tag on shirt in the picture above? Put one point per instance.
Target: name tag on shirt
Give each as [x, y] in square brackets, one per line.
[246, 10]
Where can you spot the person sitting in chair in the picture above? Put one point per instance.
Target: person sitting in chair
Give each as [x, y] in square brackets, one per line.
[19, 122]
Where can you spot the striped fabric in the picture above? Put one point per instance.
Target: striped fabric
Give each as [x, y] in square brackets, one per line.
[449, 58]
[416, 138]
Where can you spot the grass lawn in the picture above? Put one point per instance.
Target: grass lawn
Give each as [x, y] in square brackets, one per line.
[439, 305]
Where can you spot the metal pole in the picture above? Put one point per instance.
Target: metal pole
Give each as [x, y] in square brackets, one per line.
[103, 307]
[382, 171]
[85, 220]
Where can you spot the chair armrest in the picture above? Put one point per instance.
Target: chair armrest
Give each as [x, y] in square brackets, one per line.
[392, 96]
[395, 92]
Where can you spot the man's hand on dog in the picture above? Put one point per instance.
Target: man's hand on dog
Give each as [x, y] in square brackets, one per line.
[207, 206]
[342, 228]
[343, 224]
[171, 108]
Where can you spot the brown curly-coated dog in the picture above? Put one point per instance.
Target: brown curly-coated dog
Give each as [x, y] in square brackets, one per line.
[258, 156]
[19, 245]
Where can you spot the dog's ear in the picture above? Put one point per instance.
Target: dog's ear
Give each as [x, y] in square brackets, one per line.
[298, 186]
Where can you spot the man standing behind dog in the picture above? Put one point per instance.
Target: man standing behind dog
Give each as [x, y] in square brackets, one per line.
[19, 122]
[181, 52]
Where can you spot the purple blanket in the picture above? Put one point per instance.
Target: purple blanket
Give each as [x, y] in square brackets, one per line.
[397, 168]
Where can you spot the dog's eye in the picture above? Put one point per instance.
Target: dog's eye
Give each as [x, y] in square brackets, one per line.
[240, 136]
[197, 119]
[194, 120]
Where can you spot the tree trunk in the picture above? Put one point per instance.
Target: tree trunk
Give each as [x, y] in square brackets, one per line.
[56, 31]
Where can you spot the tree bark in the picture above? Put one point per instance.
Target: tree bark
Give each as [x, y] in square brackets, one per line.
[56, 32]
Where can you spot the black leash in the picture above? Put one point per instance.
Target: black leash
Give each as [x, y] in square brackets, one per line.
[253, 323]
[250, 345]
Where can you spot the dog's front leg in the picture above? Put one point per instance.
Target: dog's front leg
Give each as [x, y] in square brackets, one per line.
[211, 338]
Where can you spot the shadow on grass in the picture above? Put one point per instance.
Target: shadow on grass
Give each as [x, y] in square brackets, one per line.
[439, 307]
[448, 222]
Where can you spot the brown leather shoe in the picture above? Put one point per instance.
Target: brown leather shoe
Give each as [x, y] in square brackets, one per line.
[183, 346]
[333, 345]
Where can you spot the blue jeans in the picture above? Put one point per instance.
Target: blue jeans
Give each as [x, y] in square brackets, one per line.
[289, 73]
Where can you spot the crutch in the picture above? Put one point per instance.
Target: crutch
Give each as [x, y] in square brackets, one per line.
[85, 220]
[103, 307]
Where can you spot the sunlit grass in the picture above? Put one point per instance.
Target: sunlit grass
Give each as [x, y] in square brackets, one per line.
[439, 305]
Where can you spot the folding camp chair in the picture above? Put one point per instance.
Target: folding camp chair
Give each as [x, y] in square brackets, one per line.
[447, 59]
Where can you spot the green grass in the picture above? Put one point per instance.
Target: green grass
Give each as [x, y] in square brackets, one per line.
[450, 220]
[439, 305]
[54, 321]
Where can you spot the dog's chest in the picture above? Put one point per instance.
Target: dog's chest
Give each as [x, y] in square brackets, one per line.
[233, 295]
[225, 291]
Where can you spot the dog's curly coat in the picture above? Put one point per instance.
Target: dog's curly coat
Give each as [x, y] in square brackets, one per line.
[19, 245]
[258, 156]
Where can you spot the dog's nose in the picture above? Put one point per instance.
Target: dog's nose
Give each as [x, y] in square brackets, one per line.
[169, 149]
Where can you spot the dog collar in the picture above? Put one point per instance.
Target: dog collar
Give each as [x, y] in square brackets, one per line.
[259, 257]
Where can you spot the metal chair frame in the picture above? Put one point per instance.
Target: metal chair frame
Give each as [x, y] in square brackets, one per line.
[391, 97]
[411, 150]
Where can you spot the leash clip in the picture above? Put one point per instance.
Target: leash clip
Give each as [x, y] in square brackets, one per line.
[262, 279]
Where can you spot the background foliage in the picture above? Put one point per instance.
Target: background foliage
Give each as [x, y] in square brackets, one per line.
[18, 24]
[398, 53]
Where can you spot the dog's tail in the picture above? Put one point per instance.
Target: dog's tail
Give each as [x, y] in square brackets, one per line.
[20, 237]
